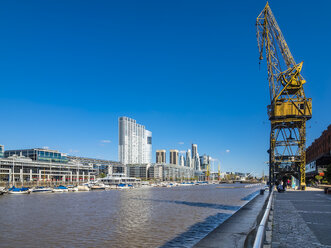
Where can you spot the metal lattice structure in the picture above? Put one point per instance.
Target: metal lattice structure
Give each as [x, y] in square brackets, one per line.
[289, 108]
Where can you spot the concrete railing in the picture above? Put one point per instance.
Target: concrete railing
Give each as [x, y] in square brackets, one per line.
[260, 234]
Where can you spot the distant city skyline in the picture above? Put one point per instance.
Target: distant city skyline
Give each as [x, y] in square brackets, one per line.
[70, 70]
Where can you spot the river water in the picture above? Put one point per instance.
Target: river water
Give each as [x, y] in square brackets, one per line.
[145, 217]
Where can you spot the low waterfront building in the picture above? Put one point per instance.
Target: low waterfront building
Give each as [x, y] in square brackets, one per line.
[24, 169]
[318, 154]
[138, 170]
[39, 154]
[110, 180]
[162, 171]
[107, 167]
[155, 172]
[176, 172]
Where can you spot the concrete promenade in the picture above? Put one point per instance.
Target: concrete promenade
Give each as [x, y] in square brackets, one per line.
[301, 219]
[234, 232]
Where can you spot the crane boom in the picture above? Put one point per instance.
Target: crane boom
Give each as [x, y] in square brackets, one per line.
[289, 108]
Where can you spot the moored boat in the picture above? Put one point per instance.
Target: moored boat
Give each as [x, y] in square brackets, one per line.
[83, 187]
[60, 189]
[124, 186]
[41, 190]
[18, 191]
[72, 188]
[98, 187]
[2, 190]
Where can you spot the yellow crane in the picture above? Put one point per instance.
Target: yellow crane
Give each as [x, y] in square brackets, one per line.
[289, 108]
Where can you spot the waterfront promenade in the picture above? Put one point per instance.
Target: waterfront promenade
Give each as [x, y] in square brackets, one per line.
[301, 219]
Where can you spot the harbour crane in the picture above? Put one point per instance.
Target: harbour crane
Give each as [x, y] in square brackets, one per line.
[289, 108]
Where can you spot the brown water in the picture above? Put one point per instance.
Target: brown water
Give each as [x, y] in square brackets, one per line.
[146, 217]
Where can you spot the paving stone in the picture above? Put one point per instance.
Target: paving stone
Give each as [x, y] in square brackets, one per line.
[293, 224]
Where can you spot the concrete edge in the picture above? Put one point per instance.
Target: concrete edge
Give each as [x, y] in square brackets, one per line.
[238, 230]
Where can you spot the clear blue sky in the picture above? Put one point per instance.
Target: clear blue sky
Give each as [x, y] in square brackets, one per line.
[187, 70]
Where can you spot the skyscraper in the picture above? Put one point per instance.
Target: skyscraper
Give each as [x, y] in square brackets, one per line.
[195, 157]
[181, 160]
[173, 156]
[135, 142]
[161, 156]
[194, 150]
[188, 158]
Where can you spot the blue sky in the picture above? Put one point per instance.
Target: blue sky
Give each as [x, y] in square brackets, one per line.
[187, 70]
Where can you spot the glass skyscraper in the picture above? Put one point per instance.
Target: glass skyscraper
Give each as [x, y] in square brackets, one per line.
[135, 142]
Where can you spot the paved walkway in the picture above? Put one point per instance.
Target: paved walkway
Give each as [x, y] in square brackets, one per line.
[301, 219]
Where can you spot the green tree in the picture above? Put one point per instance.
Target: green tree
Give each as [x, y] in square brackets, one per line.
[102, 175]
[318, 178]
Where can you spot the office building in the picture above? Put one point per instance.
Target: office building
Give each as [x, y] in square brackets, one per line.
[195, 157]
[318, 154]
[26, 165]
[188, 161]
[162, 172]
[173, 156]
[161, 156]
[194, 150]
[204, 162]
[181, 160]
[1, 151]
[107, 167]
[135, 142]
[39, 154]
[138, 170]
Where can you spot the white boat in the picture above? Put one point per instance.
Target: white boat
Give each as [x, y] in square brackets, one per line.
[83, 187]
[2, 190]
[18, 191]
[60, 189]
[124, 186]
[98, 187]
[41, 190]
[72, 188]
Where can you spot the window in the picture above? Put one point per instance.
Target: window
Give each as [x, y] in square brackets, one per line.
[149, 140]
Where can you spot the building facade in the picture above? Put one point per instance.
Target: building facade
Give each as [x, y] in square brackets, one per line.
[161, 156]
[39, 154]
[107, 167]
[1, 151]
[173, 156]
[24, 169]
[188, 161]
[204, 161]
[162, 172]
[181, 160]
[318, 154]
[195, 157]
[135, 142]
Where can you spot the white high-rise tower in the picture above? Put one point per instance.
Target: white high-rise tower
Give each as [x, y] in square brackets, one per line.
[134, 143]
[188, 158]
[195, 157]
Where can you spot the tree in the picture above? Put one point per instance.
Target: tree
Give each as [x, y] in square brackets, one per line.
[102, 175]
[318, 178]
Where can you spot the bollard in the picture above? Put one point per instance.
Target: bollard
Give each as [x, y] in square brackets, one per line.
[261, 191]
